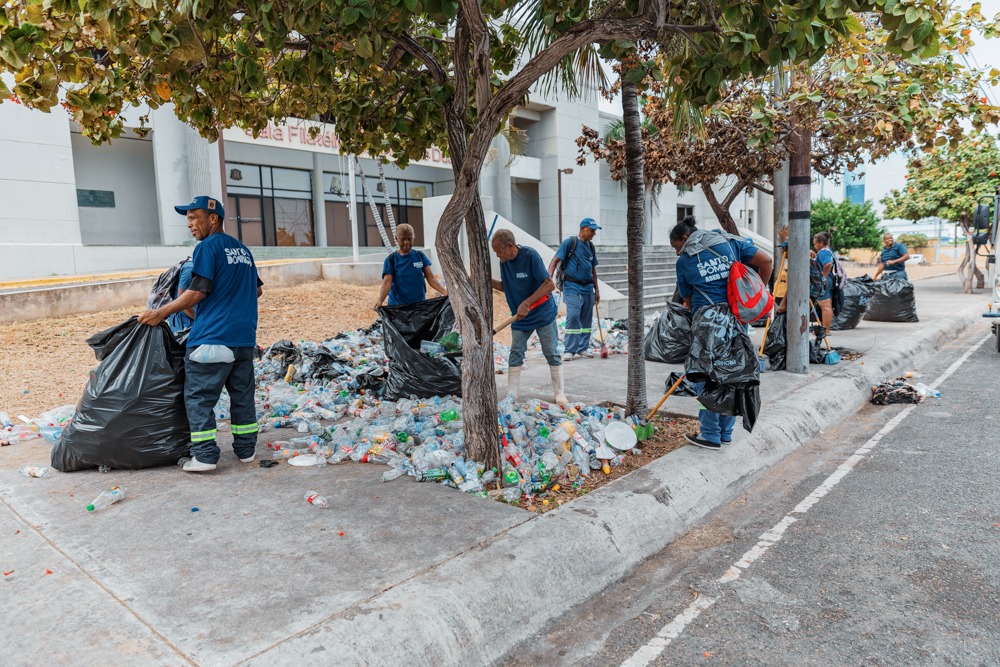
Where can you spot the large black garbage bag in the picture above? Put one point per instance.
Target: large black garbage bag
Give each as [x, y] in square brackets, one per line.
[892, 300]
[856, 293]
[721, 350]
[412, 373]
[685, 388]
[739, 400]
[669, 339]
[775, 346]
[104, 342]
[132, 412]
[723, 356]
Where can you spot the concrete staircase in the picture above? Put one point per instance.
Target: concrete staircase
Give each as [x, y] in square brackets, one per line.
[659, 276]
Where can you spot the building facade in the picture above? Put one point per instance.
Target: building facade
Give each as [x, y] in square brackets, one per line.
[74, 208]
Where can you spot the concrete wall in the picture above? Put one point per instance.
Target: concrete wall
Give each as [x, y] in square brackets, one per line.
[20, 261]
[37, 183]
[36, 304]
[124, 167]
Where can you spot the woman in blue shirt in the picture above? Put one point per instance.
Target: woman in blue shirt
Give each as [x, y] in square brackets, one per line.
[894, 257]
[703, 262]
[824, 257]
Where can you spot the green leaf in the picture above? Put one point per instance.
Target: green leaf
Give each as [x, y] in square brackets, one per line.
[364, 47]
[350, 16]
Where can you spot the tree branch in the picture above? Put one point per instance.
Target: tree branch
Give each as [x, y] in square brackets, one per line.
[411, 46]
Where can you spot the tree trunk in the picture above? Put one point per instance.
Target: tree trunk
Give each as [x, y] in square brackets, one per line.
[635, 399]
[721, 209]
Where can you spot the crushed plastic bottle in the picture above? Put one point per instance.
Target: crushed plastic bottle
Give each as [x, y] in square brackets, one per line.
[109, 497]
[316, 500]
[35, 471]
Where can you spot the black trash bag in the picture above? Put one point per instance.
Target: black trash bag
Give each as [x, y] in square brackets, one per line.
[410, 372]
[285, 353]
[324, 365]
[856, 293]
[721, 350]
[817, 355]
[686, 388]
[775, 346]
[892, 300]
[738, 400]
[104, 342]
[723, 356]
[132, 413]
[669, 339]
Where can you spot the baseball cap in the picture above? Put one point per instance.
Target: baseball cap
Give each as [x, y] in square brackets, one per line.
[203, 202]
[589, 222]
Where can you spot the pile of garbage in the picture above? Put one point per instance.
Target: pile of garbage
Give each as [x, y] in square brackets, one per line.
[901, 391]
[322, 403]
[543, 444]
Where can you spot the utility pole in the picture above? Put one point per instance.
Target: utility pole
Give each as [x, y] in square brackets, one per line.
[799, 180]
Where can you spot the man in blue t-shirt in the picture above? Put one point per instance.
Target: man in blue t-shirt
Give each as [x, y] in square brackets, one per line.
[703, 261]
[893, 260]
[404, 273]
[223, 292]
[185, 318]
[580, 291]
[525, 282]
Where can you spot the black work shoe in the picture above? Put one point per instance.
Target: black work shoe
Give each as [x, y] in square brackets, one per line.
[704, 444]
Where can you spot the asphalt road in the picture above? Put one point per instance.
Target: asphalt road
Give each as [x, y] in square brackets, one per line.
[894, 561]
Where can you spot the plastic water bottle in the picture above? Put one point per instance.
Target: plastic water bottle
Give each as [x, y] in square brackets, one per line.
[109, 497]
[316, 500]
[35, 471]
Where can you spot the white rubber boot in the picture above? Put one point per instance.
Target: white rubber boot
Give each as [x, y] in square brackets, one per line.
[557, 385]
[514, 381]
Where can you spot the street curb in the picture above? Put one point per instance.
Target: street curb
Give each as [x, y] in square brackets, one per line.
[476, 607]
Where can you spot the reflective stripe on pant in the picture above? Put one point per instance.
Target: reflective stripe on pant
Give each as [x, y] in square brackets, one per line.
[203, 385]
[714, 427]
[579, 321]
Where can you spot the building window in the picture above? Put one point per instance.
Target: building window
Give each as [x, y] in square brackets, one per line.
[684, 211]
[269, 206]
[95, 198]
[681, 188]
[405, 197]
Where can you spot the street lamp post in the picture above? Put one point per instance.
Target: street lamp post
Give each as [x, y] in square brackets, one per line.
[559, 173]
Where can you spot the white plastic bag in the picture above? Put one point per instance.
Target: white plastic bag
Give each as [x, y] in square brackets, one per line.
[213, 354]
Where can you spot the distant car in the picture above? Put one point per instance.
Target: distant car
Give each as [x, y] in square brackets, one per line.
[917, 258]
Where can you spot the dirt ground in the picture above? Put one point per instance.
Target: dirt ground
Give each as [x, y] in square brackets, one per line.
[45, 363]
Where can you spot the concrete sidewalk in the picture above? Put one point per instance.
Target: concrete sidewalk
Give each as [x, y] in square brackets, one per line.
[422, 575]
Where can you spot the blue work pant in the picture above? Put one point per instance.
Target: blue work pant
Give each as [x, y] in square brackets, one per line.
[203, 385]
[579, 321]
[548, 336]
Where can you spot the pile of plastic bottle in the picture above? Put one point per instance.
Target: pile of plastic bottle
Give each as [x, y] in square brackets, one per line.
[49, 426]
[543, 444]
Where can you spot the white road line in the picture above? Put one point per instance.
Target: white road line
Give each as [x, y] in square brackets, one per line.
[672, 630]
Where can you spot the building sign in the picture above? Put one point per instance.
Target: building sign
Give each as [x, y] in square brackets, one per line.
[295, 134]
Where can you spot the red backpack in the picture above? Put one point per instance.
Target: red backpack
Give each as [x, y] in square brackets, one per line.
[748, 297]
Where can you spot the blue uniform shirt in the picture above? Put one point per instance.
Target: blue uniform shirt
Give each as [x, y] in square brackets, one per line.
[180, 321]
[521, 277]
[709, 273]
[407, 271]
[228, 315]
[895, 252]
[580, 267]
